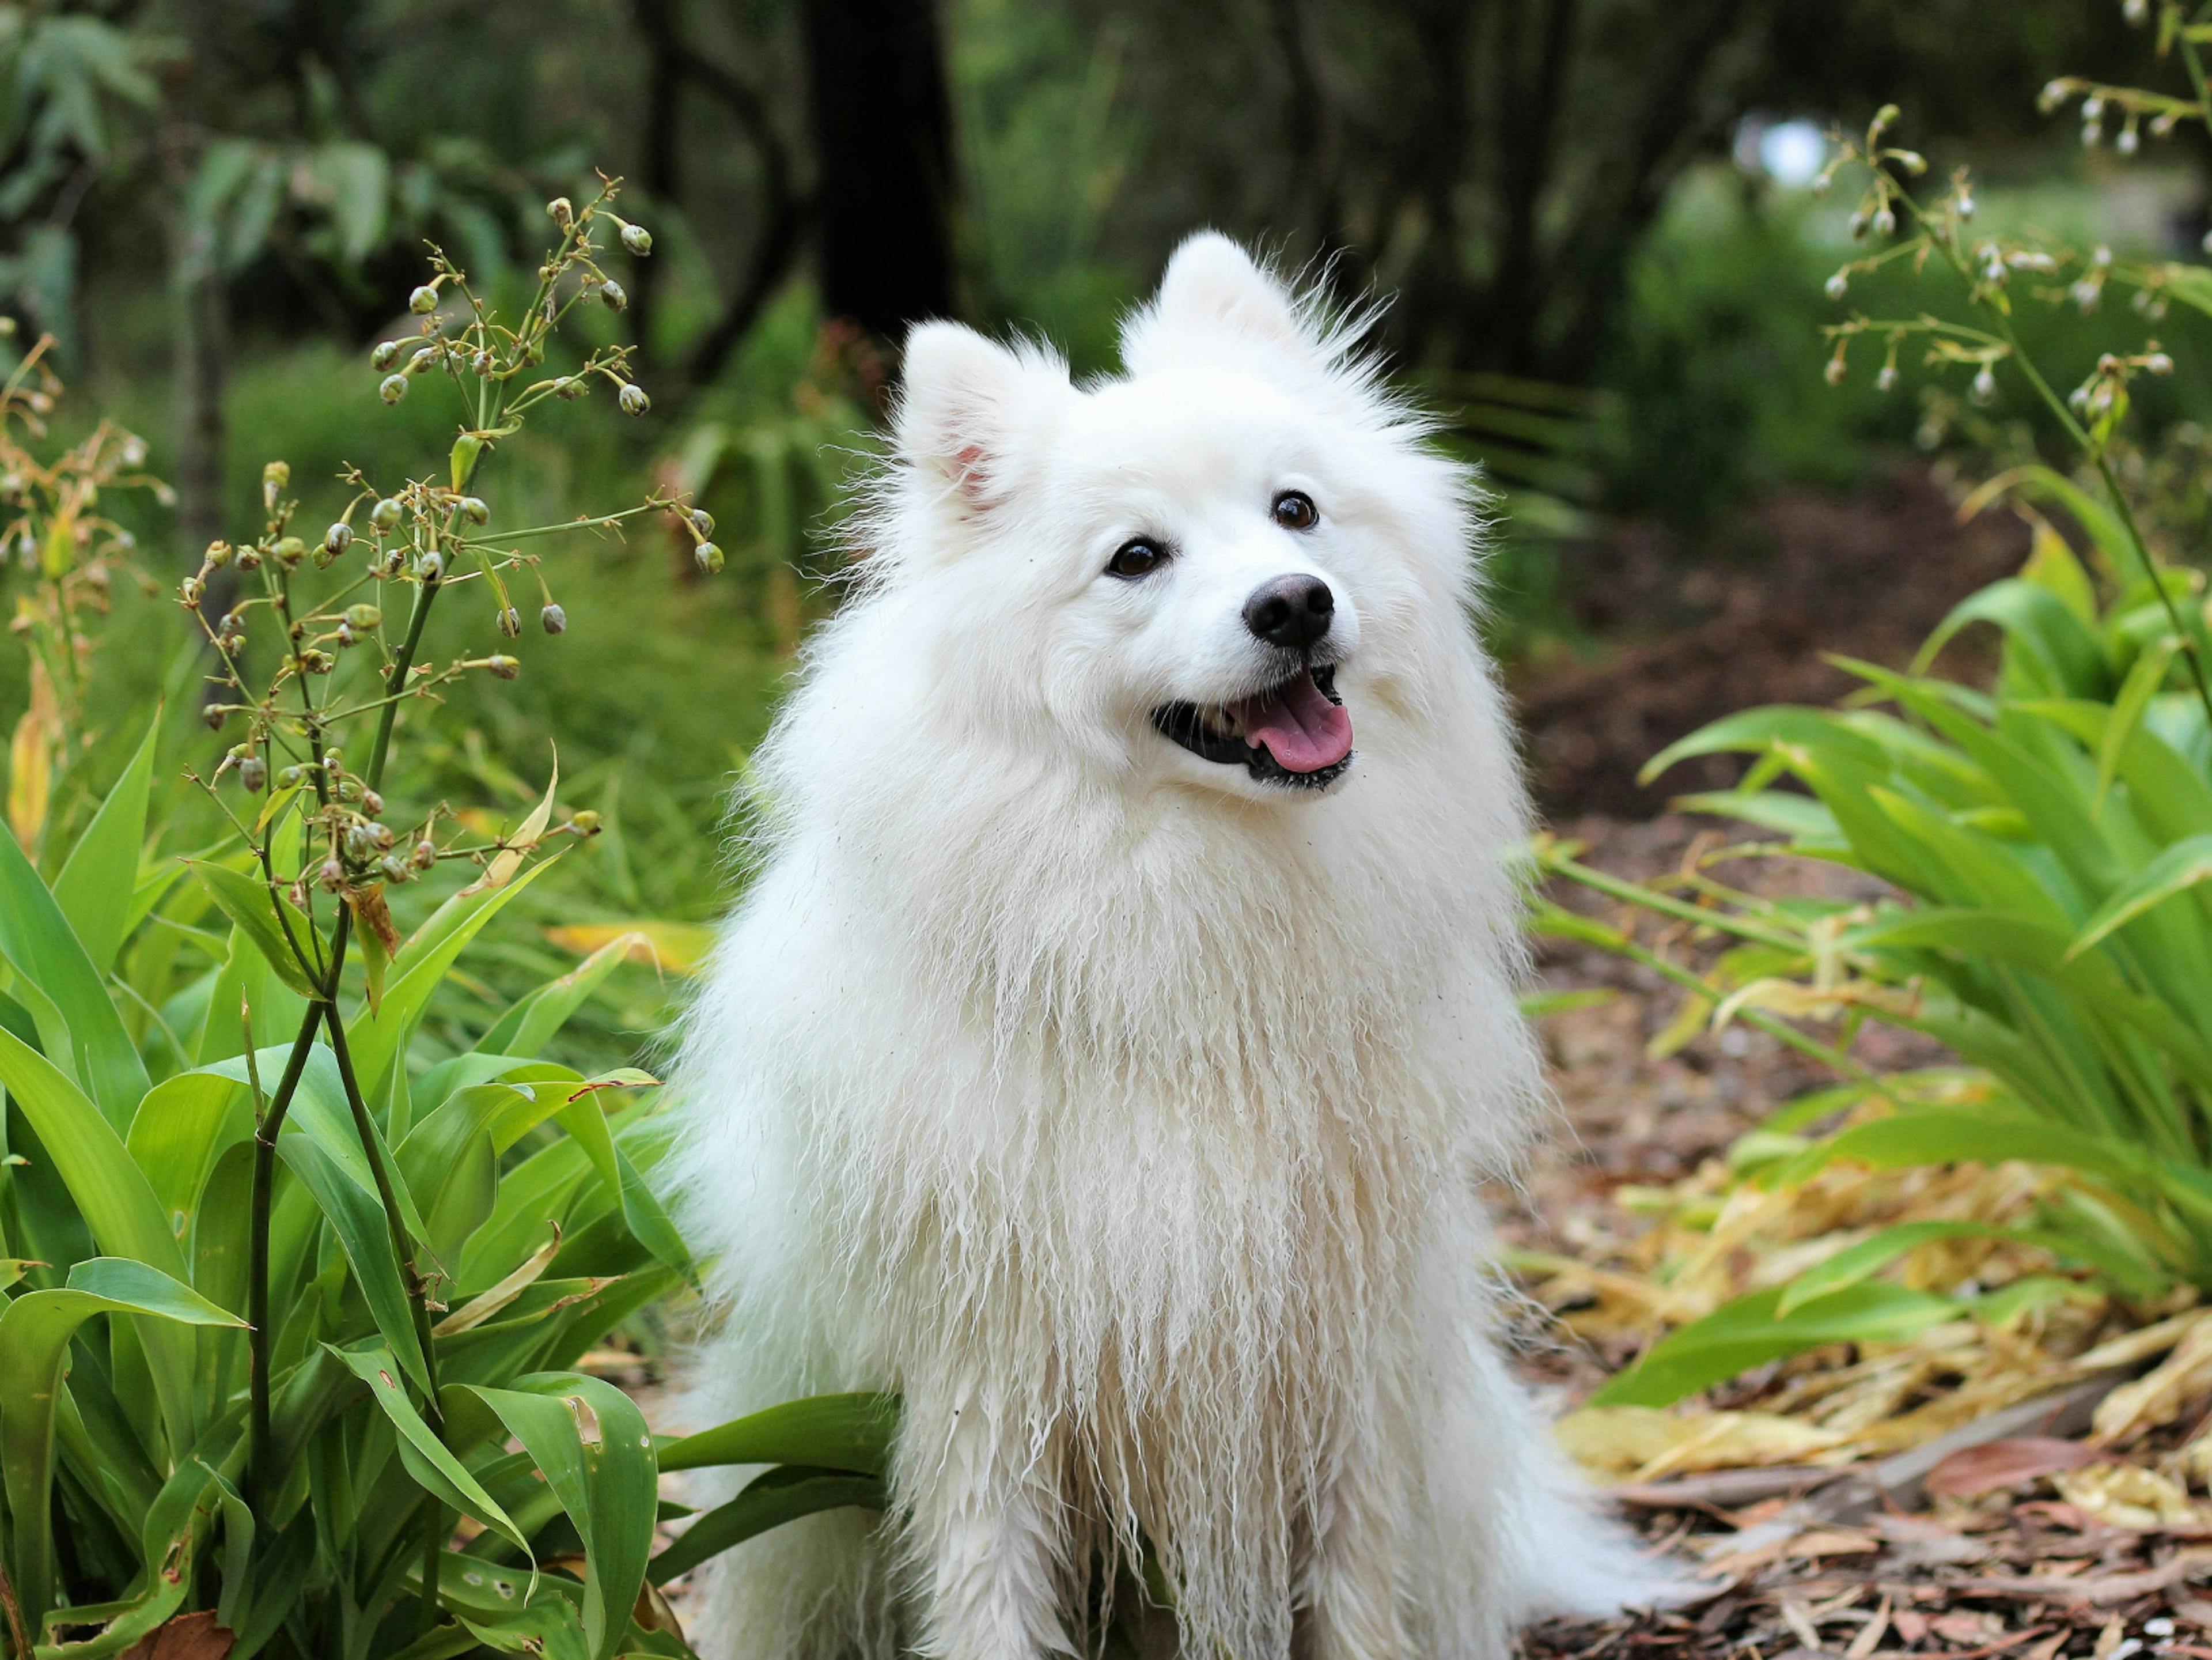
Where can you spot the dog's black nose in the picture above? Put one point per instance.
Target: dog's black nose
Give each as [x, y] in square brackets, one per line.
[1290, 610]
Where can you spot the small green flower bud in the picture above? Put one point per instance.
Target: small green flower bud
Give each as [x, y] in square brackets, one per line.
[291, 777]
[364, 617]
[344, 635]
[504, 666]
[218, 554]
[1984, 387]
[424, 300]
[561, 211]
[702, 521]
[425, 358]
[585, 823]
[431, 566]
[249, 559]
[1886, 380]
[214, 715]
[474, 510]
[395, 869]
[613, 296]
[709, 558]
[290, 551]
[386, 355]
[1836, 370]
[385, 515]
[337, 539]
[633, 400]
[1836, 286]
[568, 386]
[189, 592]
[313, 661]
[254, 772]
[637, 239]
[392, 388]
[484, 362]
[2159, 364]
[553, 618]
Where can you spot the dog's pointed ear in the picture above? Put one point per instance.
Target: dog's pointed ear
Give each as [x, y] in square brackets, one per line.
[964, 401]
[1213, 289]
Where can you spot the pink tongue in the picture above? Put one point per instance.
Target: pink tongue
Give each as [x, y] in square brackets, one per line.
[1302, 729]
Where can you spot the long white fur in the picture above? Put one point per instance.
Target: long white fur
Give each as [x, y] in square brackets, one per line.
[1122, 1114]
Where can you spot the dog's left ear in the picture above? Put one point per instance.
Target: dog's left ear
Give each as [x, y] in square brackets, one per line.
[964, 401]
[1212, 289]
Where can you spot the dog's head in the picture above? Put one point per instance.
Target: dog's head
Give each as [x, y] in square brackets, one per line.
[1224, 569]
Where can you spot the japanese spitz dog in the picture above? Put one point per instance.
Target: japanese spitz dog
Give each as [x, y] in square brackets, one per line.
[1107, 1051]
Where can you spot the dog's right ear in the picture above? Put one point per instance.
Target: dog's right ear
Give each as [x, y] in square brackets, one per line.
[965, 400]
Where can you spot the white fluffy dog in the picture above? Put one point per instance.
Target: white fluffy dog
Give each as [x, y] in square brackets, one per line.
[1106, 1055]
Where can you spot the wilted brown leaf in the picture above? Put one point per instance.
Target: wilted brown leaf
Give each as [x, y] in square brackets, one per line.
[187, 1636]
[1994, 1464]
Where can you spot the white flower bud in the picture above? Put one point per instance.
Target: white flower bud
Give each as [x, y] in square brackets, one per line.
[1984, 387]
[392, 388]
[1886, 380]
[1836, 286]
[424, 300]
[633, 400]
[637, 239]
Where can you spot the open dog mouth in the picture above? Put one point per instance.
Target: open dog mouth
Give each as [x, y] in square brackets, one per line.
[1297, 733]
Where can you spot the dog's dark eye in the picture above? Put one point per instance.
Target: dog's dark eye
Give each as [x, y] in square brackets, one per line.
[1294, 510]
[1139, 557]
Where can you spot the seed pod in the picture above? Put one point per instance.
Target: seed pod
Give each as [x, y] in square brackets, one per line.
[637, 239]
[425, 357]
[703, 522]
[337, 539]
[395, 869]
[561, 211]
[249, 559]
[613, 296]
[371, 802]
[392, 388]
[426, 853]
[474, 510]
[431, 566]
[385, 515]
[554, 619]
[332, 875]
[633, 400]
[364, 617]
[709, 558]
[386, 355]
[504, 666]
[215, 714]
[484, 362]
[424, 300]
[585, 823]
[334, 763]
[570, 386]
[510, 622]
[254, 772]
[290, 551]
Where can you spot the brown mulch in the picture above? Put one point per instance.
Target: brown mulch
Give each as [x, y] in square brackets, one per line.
[1692, 634]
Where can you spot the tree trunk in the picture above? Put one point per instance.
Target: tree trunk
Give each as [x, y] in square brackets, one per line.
[883, 132]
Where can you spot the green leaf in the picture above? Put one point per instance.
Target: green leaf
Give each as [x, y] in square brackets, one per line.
[364, 1234]
[770, 1500]
[434, 1468]
[591, 1444]
[1751, 1331]
[2179, 867]
[97, 885]
[530, 1024]
[34, 1334]
[354, 181]
[849, 1432]
[415, 972]
[47, 957]
[2144, 679]
[1856, 1263]
[2067, 659]
[649, 1223]
[249, 905]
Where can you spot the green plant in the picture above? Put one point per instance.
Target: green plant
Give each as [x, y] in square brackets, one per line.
[293, 1329]
[2047, 842]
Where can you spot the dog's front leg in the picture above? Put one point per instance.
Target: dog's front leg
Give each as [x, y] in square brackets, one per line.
[990, 1545]
[1353, 1595]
